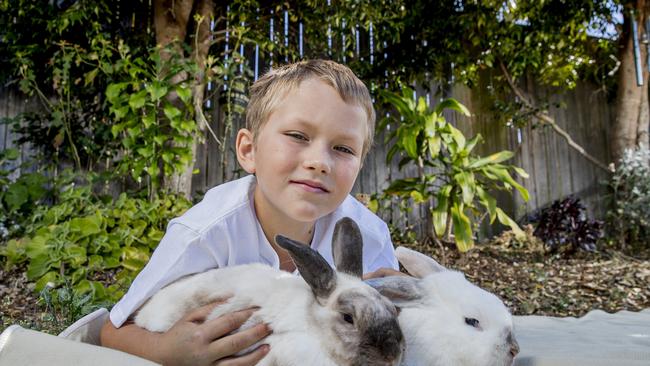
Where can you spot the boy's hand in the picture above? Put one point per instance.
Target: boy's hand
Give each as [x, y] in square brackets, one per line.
[383, 272]
[194, 341]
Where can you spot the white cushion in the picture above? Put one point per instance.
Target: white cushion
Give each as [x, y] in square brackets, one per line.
[596, 339]
[87, 329]
[24, 347]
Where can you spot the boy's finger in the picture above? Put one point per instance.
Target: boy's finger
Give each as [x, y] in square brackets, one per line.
[236, 342]
[199, 314]
[248, 359]
[224, 324]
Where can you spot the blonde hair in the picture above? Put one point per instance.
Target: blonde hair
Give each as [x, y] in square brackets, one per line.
[267, 92]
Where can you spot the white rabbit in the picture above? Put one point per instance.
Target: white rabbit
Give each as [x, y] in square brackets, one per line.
[324, 318]
[445, 319]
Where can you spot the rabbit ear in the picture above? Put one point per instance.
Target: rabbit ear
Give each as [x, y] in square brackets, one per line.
[347, 247]
[416, 263]
[398, 289]
[312, 266]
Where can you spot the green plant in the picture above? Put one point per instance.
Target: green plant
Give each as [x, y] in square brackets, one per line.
[19, 196]
[629, 218]
[155, 144]
[95, 243]
[49, 51]
[458, 179]
[64, 306]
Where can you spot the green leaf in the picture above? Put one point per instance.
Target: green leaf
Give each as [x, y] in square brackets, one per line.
[15, 196]
[120, 112]
[422, 106]
[397, 101]
[156, 90]
[462, 229]
[488, 201]
[506, 220]
[171, 112]
[185, 93]
[458, 136]
[137, 100]
[38, 266]
[160, 139]
[521, 172]
[90, 77]
[492, 159]
[439, 214]
[134, 258]
[453, 104]
[114, 90]
[86, 226]
[435, 144]
[75, 255]
[373, 205]
[467, 184]
[50, 277]
[149, 120]
[10, 154]
[472, 143]
[408, 140]
[38, 245]
[417, 197]
[502, 174]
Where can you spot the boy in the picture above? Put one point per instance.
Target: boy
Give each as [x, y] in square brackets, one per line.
[309, 126]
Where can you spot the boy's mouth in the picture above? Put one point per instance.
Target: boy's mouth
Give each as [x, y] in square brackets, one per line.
[311, 186]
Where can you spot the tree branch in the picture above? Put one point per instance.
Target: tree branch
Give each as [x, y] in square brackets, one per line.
[546, 118]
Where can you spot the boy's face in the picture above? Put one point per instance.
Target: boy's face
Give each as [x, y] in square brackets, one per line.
[307, 155]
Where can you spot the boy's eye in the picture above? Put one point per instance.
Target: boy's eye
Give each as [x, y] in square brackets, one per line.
[344, 149]
[296, 136]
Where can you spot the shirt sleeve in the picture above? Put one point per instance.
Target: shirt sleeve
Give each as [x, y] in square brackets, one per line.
[180, 253]
[385, 255]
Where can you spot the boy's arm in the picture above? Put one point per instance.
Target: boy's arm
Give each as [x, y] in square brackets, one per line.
[192, 340]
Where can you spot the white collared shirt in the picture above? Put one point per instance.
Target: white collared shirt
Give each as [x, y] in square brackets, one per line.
[223, 230]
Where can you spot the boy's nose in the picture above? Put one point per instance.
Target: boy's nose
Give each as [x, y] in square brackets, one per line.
[317, 158]
[320, 165]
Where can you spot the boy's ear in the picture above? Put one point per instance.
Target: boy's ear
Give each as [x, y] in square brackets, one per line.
[245, 150]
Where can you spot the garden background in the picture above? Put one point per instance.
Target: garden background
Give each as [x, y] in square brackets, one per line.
[117, 115]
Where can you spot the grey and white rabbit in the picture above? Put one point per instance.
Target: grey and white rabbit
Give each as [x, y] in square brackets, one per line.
[446, 320]
[326, 318]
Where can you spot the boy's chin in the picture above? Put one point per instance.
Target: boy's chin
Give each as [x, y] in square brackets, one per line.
[307, 214]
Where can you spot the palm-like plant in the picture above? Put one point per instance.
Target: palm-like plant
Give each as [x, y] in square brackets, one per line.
[460, 181]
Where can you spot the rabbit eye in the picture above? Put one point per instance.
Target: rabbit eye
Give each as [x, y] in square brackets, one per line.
[348, 318]
[472, 322]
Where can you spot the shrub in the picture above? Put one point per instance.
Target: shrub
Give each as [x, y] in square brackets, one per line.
[449, 172]
[90, 241]
[629, 219]
[564, 227]
[18, 197]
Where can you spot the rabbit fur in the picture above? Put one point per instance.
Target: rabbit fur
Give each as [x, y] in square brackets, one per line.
[325, 318]
[446, 320]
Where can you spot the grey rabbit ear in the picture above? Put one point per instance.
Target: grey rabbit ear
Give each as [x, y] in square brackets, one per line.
[399, 289]
[416, 263]
[313, 268]
[347, 247]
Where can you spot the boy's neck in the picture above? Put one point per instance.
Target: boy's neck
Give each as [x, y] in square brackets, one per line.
[274, 223]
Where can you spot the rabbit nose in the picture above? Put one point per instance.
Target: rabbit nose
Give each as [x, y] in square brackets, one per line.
[514, 346]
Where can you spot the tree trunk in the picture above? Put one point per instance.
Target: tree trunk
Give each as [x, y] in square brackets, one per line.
[632, 112]
[173, 20]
